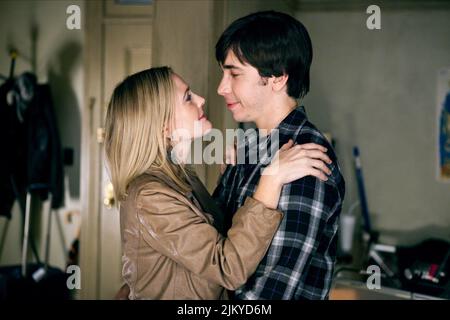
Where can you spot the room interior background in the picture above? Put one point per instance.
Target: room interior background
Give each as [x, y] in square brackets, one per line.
[372, 88]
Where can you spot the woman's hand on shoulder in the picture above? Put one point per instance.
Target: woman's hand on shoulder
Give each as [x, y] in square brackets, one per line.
[293, 162]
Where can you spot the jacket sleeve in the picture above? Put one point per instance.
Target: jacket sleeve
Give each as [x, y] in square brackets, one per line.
[176, 231]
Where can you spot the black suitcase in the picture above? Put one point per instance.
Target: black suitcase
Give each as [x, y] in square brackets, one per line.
[51, 285]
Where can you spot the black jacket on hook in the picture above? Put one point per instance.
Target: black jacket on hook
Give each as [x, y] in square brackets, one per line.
[13, 160]
[33, 157]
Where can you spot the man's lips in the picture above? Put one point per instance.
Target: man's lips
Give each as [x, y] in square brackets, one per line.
[232, 105]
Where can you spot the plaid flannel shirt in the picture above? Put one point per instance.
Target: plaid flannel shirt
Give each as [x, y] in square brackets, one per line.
[299, 263]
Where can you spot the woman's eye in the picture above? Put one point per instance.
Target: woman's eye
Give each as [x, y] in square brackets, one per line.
[188, 97]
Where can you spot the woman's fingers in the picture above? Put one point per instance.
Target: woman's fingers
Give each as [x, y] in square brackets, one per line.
[318, 174]
[298, 153]
[309, 146]
[319, 164]
[287, 145]
[293, 162]
[316, 154]
[306, 166]
[223, 167]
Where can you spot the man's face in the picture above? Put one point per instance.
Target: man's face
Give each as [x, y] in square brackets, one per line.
[244, 90]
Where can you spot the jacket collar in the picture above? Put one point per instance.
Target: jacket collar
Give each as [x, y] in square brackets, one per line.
[158, 174]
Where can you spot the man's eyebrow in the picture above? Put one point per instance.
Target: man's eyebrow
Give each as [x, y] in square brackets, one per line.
[230, 67]
[186, 92]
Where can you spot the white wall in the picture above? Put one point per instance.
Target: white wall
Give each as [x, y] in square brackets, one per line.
[58, 61]
[377, 89]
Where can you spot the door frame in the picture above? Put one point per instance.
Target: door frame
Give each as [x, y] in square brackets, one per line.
[90, 154]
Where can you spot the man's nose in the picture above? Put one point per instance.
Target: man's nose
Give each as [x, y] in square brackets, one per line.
[224, 87]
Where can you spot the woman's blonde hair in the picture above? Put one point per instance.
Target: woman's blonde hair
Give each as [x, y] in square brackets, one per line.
[141, 107]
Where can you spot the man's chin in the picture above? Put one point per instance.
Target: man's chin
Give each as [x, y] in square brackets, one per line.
[237, 117]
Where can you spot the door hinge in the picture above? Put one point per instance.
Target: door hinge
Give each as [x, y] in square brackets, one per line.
[100, 135]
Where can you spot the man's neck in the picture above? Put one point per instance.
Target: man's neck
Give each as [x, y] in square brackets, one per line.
[274, 113]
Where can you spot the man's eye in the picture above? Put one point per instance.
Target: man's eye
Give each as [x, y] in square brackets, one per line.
[234, 75]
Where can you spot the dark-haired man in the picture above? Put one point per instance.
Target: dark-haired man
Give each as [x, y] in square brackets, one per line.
[265, 58]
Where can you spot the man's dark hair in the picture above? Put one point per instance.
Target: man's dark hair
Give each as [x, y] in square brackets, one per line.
[274, 43]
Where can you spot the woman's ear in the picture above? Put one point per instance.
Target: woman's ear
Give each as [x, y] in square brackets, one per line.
[279, 83]
[166, 132]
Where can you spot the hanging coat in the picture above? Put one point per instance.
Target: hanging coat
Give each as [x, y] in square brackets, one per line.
[33, 161]
[13, 160]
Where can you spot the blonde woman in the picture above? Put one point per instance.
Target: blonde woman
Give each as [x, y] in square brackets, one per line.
[171, 249]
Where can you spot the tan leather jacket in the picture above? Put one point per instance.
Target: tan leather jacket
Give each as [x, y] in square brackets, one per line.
[171, 250]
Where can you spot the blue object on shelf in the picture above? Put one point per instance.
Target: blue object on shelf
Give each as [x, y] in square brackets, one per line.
[361, 190]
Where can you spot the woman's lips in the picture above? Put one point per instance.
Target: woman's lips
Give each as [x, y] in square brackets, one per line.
[202, 117]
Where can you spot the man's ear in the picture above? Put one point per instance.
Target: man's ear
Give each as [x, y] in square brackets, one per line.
[278, 83]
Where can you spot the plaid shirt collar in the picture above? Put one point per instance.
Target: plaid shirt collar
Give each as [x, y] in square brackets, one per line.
[257, 151]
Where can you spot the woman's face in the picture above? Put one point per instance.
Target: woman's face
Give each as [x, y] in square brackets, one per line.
[190, 120]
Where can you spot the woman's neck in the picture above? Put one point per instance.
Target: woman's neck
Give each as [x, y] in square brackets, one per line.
[180, 152]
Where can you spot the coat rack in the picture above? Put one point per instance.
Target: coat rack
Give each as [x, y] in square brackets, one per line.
[13, 53]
